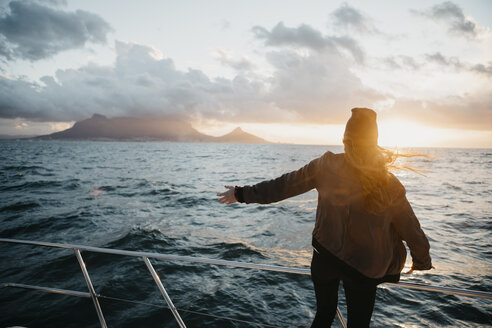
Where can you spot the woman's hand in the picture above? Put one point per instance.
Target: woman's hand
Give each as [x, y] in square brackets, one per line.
[412, 269]
[227, 197]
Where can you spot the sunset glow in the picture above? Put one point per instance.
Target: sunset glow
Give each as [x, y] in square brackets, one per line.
[289, 76]
[392, 133]
[409, 134]
[333, 142]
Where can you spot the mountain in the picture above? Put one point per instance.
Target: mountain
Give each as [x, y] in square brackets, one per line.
[99, 127]
[239, 136]
[15, 137]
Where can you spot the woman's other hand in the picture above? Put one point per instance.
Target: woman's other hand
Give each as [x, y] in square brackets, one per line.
[413, 268]
[227, 197]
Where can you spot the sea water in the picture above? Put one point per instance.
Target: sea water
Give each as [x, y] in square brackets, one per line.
[161, 197]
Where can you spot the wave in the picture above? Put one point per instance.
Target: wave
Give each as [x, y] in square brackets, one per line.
[21, 168]
[142, 239]
[34, 228]
[192, 201]
[27, 170]
[453, 187]
[161, 191]
[168, 189]
[48, 186]
[20, 206]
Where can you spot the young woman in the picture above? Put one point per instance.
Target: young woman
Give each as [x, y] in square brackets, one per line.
[362, 218]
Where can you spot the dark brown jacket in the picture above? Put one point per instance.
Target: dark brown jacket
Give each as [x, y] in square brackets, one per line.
[371, 244]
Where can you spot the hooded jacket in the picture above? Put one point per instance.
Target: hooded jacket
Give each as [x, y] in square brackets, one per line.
[369, 243]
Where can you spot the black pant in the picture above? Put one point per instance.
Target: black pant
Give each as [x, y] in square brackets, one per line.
[360, 295]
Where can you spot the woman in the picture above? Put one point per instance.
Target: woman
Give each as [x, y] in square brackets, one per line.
[361, 219]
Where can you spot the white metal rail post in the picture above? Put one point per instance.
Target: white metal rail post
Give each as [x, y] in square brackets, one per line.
[91, 288]
[164, 292]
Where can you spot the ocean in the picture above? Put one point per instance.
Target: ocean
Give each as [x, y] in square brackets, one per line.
[161, 197]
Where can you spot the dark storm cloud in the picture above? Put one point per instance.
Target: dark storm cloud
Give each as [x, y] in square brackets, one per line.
[349, 18]
[30, 30]
[452, 15]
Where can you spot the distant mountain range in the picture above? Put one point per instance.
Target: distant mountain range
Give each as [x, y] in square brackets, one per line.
[99, 127]
[15, 137]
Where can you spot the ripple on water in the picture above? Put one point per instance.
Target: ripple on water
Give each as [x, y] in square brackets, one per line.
[20, 206]
[155, 197]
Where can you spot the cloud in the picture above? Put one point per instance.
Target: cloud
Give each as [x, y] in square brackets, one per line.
[409, 62]
[452, 15]
[33, 31]
[403, 62]
[483, 69]
[305, 88]
[439, 59]
[400, 62]
[455, 63]
[473, 112]
[53, 2]
[302, 36]
[317, 88]
[307, 37]
[139, 84]
[311, 80]
[21, 125]
[226, 59]
[225, 24]
[351, 19]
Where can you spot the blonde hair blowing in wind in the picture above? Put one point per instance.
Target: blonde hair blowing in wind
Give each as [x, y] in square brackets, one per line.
[371, 162]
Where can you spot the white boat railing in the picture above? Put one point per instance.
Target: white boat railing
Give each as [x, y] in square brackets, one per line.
[146, 255]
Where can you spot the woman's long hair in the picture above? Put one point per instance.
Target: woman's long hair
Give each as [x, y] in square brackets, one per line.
[372, 165]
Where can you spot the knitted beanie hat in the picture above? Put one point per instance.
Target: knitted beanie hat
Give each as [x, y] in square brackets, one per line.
[362, 127]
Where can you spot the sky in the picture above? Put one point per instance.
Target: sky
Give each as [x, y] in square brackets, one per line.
[287, 71]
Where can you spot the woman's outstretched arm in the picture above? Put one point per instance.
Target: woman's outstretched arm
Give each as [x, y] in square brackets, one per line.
[270, 191]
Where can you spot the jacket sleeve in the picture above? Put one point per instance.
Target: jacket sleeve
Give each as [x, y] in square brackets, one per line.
[288, 185]
[408, 227]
